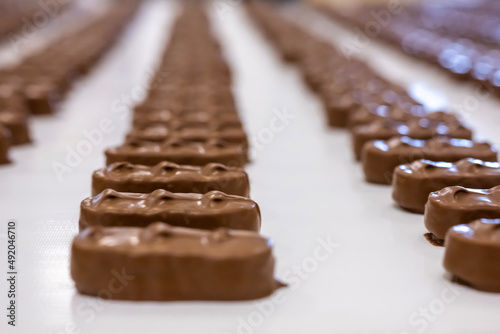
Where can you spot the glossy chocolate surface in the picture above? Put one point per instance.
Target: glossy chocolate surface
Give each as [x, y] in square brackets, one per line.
[127, 177]
[457, 205]
[381, 157]
[179, 151]
[472, 254]
[412, 183]
[166, 263]
[419, 128]
[160, 133]
[206, 211]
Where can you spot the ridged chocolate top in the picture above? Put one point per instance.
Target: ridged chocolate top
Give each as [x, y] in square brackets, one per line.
[158, 132]
[166, 171]
[161, 200]
[420, 128]
[436, 146]
[467, 198]
[160, 238]
[178, 145]
[466, 167]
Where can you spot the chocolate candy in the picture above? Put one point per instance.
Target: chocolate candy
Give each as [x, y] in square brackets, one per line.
[458, 205]
[165, 263]
[412, 183]
[42, 97]
[160, 133]
[372, 112]
[338, 108]
[126, 177]
[17, 123]
[5, 139]
[217, 120]
[421, 128]
[208, 211]
[380, 157]
[179, 151]
[472, 254]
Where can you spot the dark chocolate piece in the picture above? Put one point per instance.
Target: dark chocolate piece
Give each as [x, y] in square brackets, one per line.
[472, 254]
[206, 211]
[421, 128]
[458, 205]
[165, 263]
[179, 151]
[412, 183]
[126, 177]
[381, 157]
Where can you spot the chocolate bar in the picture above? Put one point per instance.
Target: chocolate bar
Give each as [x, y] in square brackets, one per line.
[165, 263]
[17, 124]
[412, 183]
[421, 128]
[338, 108]
[5, 140]
[371, 112]
[126, 177]
[472, 254]
[206, 211]
[457, 205]
[179, 151]
[160, 133]
[381, 157]
[188, 119]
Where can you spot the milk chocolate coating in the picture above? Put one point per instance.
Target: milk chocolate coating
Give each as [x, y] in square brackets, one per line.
[381, 157]
[457, 205]
[412, 183]
[472, 254]
[206, 211]
[192, 119]
[160, 133]
[179, 151]
[338, 108]
[126, 177]
[5, 139]
[422, 128]
[41, 97]
[367, 114]
[17, 123]
[165, 263]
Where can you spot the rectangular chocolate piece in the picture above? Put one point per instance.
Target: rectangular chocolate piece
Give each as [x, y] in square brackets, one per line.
[381, 157]
[165, 263]
[161, 133]
[419, 128]
[458, 205]
[412, 183]
[130, 178]
[370, 112]
[205, 211]
[17, 123]
[179, 151]
[472, 254]
[193, 119]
